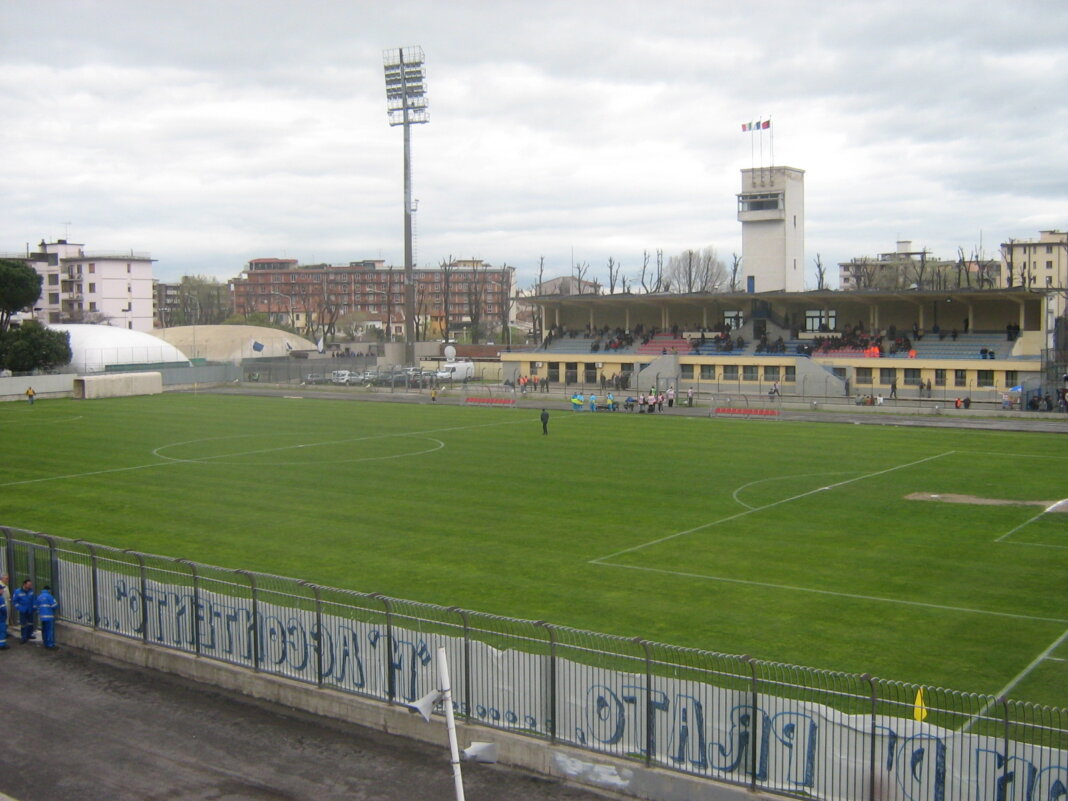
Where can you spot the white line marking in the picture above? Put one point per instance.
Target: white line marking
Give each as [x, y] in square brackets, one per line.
[1038, 545]
[1056, 659]
[43, 421]
[751, 510]
[740, 489]
[175, 461]
[1023, 674]
[1047, 510]
[855, 596]
[1017, 455]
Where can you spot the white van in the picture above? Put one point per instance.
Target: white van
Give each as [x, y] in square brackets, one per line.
[343, 377]
[456, 371]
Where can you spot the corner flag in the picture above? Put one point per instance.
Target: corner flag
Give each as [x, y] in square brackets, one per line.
[919, 708]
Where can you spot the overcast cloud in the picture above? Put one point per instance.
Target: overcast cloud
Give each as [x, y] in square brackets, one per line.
[211, 133]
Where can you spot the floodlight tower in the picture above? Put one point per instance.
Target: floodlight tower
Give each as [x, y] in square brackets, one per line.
[406, 104]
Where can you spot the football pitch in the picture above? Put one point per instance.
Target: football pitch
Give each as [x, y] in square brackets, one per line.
[934, 556]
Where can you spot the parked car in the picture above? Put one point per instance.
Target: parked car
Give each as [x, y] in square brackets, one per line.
[343, 377]
[316, 378]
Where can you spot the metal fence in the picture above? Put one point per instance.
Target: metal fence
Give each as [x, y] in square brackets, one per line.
[777, 728]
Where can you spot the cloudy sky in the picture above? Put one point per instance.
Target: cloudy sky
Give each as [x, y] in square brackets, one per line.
[210, 133]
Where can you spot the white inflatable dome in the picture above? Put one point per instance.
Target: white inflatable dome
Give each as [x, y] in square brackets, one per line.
[96, 347]
[233, 343]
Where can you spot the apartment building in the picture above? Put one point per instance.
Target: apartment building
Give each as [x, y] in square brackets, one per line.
[461, 294]
[79, 286]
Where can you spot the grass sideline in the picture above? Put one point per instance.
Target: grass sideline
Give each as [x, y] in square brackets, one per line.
[786, 541]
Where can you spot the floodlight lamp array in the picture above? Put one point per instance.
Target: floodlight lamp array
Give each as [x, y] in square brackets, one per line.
[406, 100]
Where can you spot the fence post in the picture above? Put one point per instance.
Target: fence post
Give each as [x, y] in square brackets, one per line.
[871, 737]
[552, 678]
[391, 679]
[755, 739]
[467, 658]
[255, 619]
[144, 591]
[93, 581]
[318, 629]
[196, 604]
[1005, 762]
[650, 734]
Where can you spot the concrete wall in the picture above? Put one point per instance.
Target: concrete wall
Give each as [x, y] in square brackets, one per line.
[627, 779]
[46, 386]
[119, 385]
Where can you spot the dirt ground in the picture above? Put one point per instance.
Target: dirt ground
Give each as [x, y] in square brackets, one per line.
[1050, 506]
[82, 728]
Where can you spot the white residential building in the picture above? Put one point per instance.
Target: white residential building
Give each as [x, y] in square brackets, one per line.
[85, 287]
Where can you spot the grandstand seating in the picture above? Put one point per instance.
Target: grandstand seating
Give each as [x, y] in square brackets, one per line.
[662, 342]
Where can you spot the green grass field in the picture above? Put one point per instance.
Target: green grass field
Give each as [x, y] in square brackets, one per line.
[787, 541]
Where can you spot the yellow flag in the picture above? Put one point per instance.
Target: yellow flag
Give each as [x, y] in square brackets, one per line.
[919, 708]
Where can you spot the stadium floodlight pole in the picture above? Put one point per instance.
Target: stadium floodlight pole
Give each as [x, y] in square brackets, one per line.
[406, 105]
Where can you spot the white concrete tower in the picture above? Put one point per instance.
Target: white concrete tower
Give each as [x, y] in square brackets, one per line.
[771, 209]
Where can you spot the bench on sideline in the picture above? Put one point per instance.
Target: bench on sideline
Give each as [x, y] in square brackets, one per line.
[493, 401]
[735, 411]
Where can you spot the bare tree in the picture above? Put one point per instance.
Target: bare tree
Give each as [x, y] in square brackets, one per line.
[736, 271]
[505, 300]
[695, 271]
[613, 275]
[476, 302]
[448, 268]
[539, 321]
[821, 273]
[1008, 251]
[659, 286]
[645, 269]
[581, 270]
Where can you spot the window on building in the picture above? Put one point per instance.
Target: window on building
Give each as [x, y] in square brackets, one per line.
[771, 372]
[821, 319]
[912, 377]
[733, 318]
[92, 288]
[127, 269]
[92, 305]
[749, 372]
[730, 372]
[887, 375]
[791, 374]
[708, 372]
[984, 378]
[92, 268]
[1049, 265]
[940, 378]
[864, 376]
[53, 297]
[960, 378]
[53, 279]
[686, 371]
[1012, 378]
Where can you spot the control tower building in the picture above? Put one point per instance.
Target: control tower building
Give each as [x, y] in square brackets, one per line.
[771, 209]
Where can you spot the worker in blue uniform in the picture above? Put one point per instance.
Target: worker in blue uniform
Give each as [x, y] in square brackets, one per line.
[23, 599]
[3, 612]
[46, 613]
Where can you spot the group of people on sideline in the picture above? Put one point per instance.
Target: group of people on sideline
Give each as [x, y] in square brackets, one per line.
[32, 608]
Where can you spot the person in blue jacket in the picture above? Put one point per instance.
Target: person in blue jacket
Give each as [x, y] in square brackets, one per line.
[46, 613]
[23, 599]
[3, 612]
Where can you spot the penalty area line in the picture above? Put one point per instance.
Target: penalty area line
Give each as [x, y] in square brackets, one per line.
[754, 509]
[1023, 674]
[1026, 523]
[837, 594]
